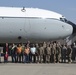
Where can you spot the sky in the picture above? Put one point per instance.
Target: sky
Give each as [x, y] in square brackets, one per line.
[64, 7]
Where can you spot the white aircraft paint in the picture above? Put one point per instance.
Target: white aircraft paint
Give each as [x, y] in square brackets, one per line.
[21, 24]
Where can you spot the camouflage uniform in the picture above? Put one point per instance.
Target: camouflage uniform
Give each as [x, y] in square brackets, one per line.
[37, 52]
[63, 53]
[44, 53]
[53, 53]
[58, 52]
[41, 52]
[74, 52]
[69, 53]
[48, 53]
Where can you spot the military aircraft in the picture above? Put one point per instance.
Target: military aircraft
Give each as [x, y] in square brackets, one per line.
[33, 24]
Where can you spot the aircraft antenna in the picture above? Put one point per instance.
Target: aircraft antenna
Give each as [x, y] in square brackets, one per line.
[23, 9]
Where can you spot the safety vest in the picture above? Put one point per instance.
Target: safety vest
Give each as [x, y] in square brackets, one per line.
[27, 51]
[19, 49]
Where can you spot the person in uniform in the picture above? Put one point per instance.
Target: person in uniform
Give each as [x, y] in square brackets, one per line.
[41, 52]
[73, 52]
[37, 52]
[44, 52]
[53, 53]
[48, 53]
[69, 53]
[58, 52]
[63, 53]
[0, 55]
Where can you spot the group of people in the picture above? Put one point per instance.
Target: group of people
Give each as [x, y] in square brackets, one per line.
[46, 52]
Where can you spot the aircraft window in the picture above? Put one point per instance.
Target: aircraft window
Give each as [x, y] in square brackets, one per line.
[67, 21]
[63, 19]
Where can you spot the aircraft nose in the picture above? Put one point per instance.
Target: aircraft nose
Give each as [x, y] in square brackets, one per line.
[68, 29]
[73, 25]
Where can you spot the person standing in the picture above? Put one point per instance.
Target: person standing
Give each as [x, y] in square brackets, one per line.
[53, 53]
[33, 52]
[0, 55]
[26, 53]
[63, 53]
[58, 52]
[69, 53]
[44, 52]
[74, 52]
[19, 50]
[6, 57]
[13, 53]
[41, 52]
[37, 52]
[5, 50]
[22, 53]
[48, 53]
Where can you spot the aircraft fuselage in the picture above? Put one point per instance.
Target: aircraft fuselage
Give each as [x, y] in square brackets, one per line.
[19, 28]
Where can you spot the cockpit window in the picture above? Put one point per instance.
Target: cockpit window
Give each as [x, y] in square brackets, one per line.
[63, 19]
[67, 21]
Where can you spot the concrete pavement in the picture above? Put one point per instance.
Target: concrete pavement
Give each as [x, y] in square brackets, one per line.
[37, 69]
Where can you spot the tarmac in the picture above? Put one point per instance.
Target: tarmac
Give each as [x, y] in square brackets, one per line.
[37, 69]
